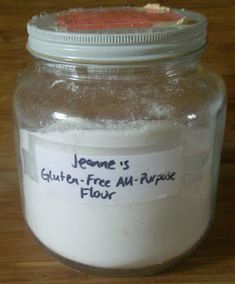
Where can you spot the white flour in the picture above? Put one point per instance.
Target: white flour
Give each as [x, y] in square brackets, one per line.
[124, 235]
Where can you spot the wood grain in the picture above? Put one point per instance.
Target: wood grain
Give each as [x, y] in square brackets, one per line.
[22, 260]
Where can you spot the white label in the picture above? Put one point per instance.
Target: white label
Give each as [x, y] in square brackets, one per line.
[106, 179]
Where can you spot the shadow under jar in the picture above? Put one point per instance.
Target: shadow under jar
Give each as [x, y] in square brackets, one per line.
[118, 133]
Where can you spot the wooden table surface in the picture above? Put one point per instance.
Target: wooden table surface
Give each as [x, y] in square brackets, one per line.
[22, 260]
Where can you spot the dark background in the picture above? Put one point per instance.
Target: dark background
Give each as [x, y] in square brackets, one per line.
[22, 260]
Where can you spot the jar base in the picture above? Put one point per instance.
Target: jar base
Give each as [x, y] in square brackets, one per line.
[116, 272]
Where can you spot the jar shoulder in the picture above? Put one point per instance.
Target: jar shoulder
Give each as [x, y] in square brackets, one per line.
[199, 79]
[213, 80]
[42, 92]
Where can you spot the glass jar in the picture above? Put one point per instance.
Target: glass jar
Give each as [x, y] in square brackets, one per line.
[118, 134]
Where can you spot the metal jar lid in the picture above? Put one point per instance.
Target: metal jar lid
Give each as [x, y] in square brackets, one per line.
[115, 35]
